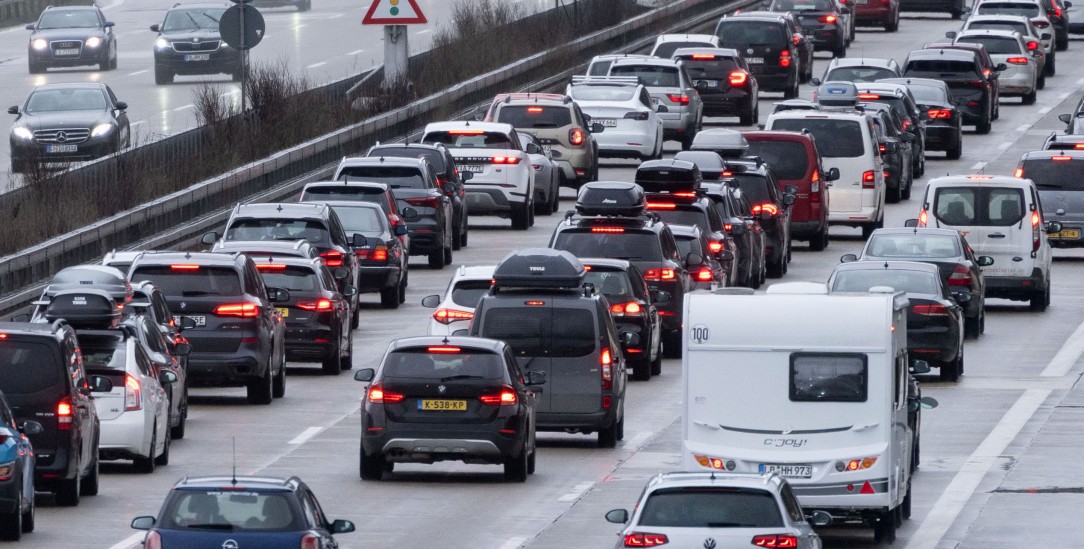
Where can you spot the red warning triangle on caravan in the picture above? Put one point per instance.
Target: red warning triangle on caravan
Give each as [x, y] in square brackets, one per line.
[394, 12]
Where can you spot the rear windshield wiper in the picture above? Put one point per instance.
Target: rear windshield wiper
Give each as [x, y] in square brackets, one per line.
[462, 376]
[198, 292]
[729, 525]
[213, 526]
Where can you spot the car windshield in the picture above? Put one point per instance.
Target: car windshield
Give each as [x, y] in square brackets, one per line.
[603, 93]
[467, 293]
[835, 138]
[667, 49]
[612, 284]
[396, 177]
[715, 68]
[941, 67]
[711, 507]
[913, 244]
[634, 246]
[651, 76]
[279, 229]
[1055, 173]
[979, 206]
[192, 19]
[994, 44]
[66, 99]
[788, 159]
[535, 116]
[25, 367]
[858, 74]
[68, 19]
[470, 139]
[1009, 8]
[913, 282]
[369, 221]
[445, 361]
[743, 33]
[803, 5]
[1019, 27]
[292, 277]
[184, 280]
[232, 508]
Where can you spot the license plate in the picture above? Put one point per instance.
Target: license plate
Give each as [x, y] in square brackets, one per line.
[442, 405]
[200, 320]
[1073, 234]
[197, 57]
[754, 60]
[61, 148]
[606, 122]
[788, 471]
[66, 51]
[283, 311]
[475, 168]
[861, 2]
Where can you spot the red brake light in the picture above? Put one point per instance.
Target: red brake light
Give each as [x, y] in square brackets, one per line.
[242, 310]
[534, 110]
[659, 274]
[270, 267]
[1040, 23]
[936, 114]
[1032, 45]
[960, 276]
[607, 230]
[534, 303]
[868, 179]
[5, 336]
[882, 148]
[333, 258]
[784, 58]
[630, 308]
[380, 253]
[378, 394]
[310, 541]
[767, 207]
[869, 96]
[318, 305]
[775, 540]
[703, 56]
[1061, 158]
[1018, 173]
[637, 115]
[738, 78]
[1057, 11]
[448, 316]
[661, 205]
[132, 394]
[498, 159]
[715, 246]
[1036, 238]
[605, 360]
[679, 99]
[704, 274]
[639, 539]
[1017, 60]
[64, 414]
[827, 19]
[576, 137]
[507, 397]
[184, 267]
[465, 132]
[1078, 146]
[432, 201]
[930, 310]
[444, 349]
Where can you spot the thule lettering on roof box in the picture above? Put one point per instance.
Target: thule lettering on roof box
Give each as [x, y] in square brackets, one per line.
[668, 176]
[610, 198]
[542, 268]
[83, 308]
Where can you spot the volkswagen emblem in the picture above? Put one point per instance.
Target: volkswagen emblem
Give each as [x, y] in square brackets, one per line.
[229, 544]
[61, 137]
[709, 543]
[749, 51]
[442, 389]
[184, 305]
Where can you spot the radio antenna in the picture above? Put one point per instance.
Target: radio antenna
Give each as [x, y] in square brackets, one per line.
[233, 481]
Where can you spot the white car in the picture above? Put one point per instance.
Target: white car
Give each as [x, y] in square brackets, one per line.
[134, 416]
[600, 64]
[625, 109]
[456, 309]
[671, 86]
[1025, 8]
[547, 174]
[1021, 75]
[667, 44]
[719, 510]
[503, 181]
[1043, 39]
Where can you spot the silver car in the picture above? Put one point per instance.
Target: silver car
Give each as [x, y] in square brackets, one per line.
[670, 85]
[719, 510]
[1019, 74]
[547, 182]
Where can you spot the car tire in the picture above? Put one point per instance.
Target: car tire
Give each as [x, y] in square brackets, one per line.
[950, 371]
[893, 24]
[532, 461]
[656, 365]
[89, 485]
[892, 196]
[278, 385]
[163, 459]
[448, 253]
[35, 68]
[1061, 42]
[371, 467]
[1040, 83]
[515, 468]
[868, 229]
[819, 241]
[402, 288]
[521, 217]
[905, 507]
[971, 327]
[28, 516]
[840, 50]
[457, 242]
[389, 297]
[1051, 66]
[792, 91]
[607, 438]
[956, 14]
[776, 268]
[884, 530]
[641, 368]
[67, 492]
[145, 464]
[1029, 98]
[750, 118]
[671, 345]
[463, 236]
[259, 389]
[1040, 300]
[346, 362]
[957, 150]
[113, 62]
[11, 525]
[330, 365]
[436, 259]
[355, 318]
[162, 75]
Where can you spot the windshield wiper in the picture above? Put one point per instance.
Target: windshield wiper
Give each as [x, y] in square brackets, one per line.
[213, 526]
[197, 292]
[729, 525]
[461, 376]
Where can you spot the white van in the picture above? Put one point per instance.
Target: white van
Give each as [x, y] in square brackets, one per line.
[846, 141]
[1001, 217]
[825, 408]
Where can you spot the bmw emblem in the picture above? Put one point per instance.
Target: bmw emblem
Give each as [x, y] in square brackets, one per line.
[61, 137]
[709, 543]
[229, 544]
[442, 389]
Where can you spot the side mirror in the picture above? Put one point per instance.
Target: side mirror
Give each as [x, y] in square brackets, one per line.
[431, 301]
[1001, 67]
[919, 367]
[891, 146]
[122, 106]
[910, 223]
[479, 117]
[662, 108]
[907, 137]
[31, 26]
[364, 375]
[928, 403]
[182, 349]
[340, 273]
[340, 526]
[402, 230]
[694, 259]
[143, 523]
[410, 213]
[660, 296]
[815, 81]
[629, 339]
[788, 199]
[1066, 118]
[1068, 4]
[597, 127]
[187, 323]
[109, 24]
[100, 384]
[737, 229]
[278, 295]
[167, 377]
[209, 238]
[832, 175]
[31, 427]
[618, 516]
[458, 333]
[358, 240]
[848, 258]
[155, 28]
[765, 216]
[961, 296]
[534, 377]
[349, 291]
[555, 153]
[533, 149]
[1053, 227]
[451, 187]
[725, 255]
[790, 189]
[466, 176]
[950, 34]
[820, 518]
[985, 261]
[15, 110]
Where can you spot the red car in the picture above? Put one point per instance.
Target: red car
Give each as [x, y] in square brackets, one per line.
[880, 13]
[795, 160]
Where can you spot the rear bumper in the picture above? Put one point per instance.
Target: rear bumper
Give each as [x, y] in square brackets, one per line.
[624, 144]
[475, 443]
[374, 279]
[309, 343]
[775, 80]
[1018, 288]
[732, 103]
[125, 436]
[940, 138]
[426, 236]
[584, 423]
[226, 369]
[872, 13]
[489, 201]
[804, 230]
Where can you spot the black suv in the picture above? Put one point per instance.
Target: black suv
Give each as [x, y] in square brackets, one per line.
[973, 91]
[772, 45]
[189, 43]
[903, 102]
[674, 194]
[611, 223]
[237, 335]
[459, 398]
[449, 179]
[724, 81]
[71, 36]
[382, 262]
[633, 309]
[771, 207]
[822, 23]
[897, 150]
[42, 376]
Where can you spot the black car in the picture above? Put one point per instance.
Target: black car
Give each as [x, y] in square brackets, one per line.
[17, 484]
[903, 103]
[610, 222]
[237, 334]
[317, 316]
[724, 81]
[377, 193]
[709, 271]
[189, 43]
[68, 123]
[301, 5]
[769, 44]
[748, 234]
[771, 208]
[449, 179]
[675, 195]
[935, 321]
[973, 92]
[822, 23]
[945, 248]
[440, 398]
[382, 261]
[896, 149]
[245, 511]
[955, 8]
[632, 308]
[942, 121]
[42, 376]
[1057, 176]
[71, 36]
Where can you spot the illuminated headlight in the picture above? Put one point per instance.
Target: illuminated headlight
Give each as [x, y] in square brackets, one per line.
[161, 44]
[22, 133]
[93, 42]
[101, 129]
[39, 43]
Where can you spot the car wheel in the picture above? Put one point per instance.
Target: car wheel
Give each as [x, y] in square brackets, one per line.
[457, 243]
[35, 68]
[89, 485]
[950, 371]
[330, 364]
[641, 369]
[163, 459]
[531, 461]
[792, 91]
[448, 252]
[956, 14]
[402, 288]
[28, 516]
[607, 438]
[884, 530]
[371, 466]
[11, 525]
[162, 75]
[346, 362]
[389, 297]
[840, 50]
[893, 24]
[656, 365]
[259, 389]
[905, 507]
[1040, 300]
[145, 464]
[436, 259]
[868, 229]
[1051, 68]
[749, 118]
[819, 241]
[971, 327]
[278, 386]
[463, 236]
[983, 127]
[18, 166]
[1061, 41]
[775, 268]
[113, 62]
[515, 468]
[671, 345]
[957, 150]
[105, 65]
[521, 218]
[1029, 98]
[67, 492]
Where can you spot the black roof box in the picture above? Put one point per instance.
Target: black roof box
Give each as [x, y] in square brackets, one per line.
[667, 176]
[88, 308]
[610, 198]
[542, 268]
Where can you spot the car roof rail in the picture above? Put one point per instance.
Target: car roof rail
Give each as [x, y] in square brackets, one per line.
[588, 79]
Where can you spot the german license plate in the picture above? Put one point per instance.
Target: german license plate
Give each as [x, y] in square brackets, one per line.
[283, 311]
[68, 51]
[197, 57]
[1072, 234]
[61, 148]
[200, 320]
[442, 405]
[475, 168]
[754, 60]
[606, 122]
[789, 470]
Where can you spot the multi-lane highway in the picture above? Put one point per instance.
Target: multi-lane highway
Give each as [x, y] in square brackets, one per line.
[1000, 455]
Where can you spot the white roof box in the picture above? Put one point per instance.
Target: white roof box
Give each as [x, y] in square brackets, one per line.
[798, 288]
[837, 94]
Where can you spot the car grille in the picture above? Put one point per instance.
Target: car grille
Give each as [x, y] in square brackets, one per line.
[209, 45]
[70, 135]
[66, 45]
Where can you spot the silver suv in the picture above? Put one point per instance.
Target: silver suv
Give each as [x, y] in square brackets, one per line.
[669, 83]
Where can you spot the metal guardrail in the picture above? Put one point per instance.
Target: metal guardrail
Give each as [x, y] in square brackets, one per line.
[180, 218]
[19, 12]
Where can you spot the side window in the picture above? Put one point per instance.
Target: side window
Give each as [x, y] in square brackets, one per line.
[900, 385]
[645, 98]
[154, 337]
[513, 136]
[161, 308]
[258, 288]
[328, 279]
[75, 362]
[669, 246]
[317, 511]
[143, 362]
[338, 234]
[312, 516]
[6, 418]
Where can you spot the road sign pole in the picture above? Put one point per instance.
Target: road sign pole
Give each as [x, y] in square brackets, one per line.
[396, 55]
[244, 64]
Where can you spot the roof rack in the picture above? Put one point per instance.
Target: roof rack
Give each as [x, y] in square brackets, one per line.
[624, 80]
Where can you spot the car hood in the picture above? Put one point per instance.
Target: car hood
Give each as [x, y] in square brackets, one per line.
[67, 34]
[65, 119]
[188, 35]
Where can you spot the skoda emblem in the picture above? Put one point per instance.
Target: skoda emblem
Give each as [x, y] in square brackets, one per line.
[749, 51]
[442, 389]
[61, 137]
[709, 543]
[229, 544]
[184, 305]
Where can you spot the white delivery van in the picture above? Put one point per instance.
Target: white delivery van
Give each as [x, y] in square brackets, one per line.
[827, 408]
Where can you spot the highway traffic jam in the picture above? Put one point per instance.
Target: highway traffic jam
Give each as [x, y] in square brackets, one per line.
[705, 296]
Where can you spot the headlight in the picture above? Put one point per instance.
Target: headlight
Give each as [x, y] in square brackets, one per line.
[161, 44]
[93, 42]
[39, 43]
[22, 133]
[101, 129]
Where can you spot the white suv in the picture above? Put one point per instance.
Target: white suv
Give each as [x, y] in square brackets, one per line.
[503, 181]
[455, 310]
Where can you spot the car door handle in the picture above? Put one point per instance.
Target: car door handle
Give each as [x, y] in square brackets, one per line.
[996, 235]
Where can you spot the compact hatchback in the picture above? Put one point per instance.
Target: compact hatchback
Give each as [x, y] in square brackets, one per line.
[973, 91]
[382, 260]
[823, 22]
[859, 69]
[669, 83]
[559, 125]
[455, 309]
[633, 309]
[1057, 176]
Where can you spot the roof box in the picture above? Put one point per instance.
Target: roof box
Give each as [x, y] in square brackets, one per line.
[728, 143]
[88, 308]
[795, 105]
[99, 277]
[668, 176]
[610, 198]
[837, 94]
[542, 268]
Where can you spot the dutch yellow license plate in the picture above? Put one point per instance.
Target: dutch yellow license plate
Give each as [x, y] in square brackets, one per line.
[283, 311]
[1068, 234]
[442, 405]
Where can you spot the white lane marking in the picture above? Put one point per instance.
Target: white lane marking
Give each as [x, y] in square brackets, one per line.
[1064, 95]
[184, 108]
[314, 65]
[133, 540]
[137, 73]
[306, 435]
[634, 442]
[425, 31]
[1004, 146]
[1044, 110]
[963, 485]
[1067, 355]
[1023, 127]
[978, 166]
[336, 15]
[576, 491]
[513, 543]
[356, 52]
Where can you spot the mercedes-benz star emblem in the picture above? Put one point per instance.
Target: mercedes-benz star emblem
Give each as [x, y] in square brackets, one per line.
[709, 543]
[441, 389]
[229, 544]
[61, 137]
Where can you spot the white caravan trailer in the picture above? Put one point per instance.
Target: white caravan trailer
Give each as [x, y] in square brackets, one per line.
[811, 385]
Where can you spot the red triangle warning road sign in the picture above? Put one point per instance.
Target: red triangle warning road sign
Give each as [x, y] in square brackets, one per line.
[394, 12]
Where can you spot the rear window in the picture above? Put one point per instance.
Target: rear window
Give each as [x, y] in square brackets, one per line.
[717, 68]
[994, 45]
[534, 116]
[27, 367]
[536, 331]
[788, 159]
[470, 139]
[342, 192]
[1025, 9]
[742, 33]
[897, 105]
[612, 284]
[433, 156]
[940, 67]
[396, 177]
[711, 508]
[302, 279]
[468, 293]
[279, 229]
[102, 353]
[928, 93]
[688, 244]
[755, 188]
[600, 68]
[914, 282]
[913, 245]
[667, 49]
[803, 5]
[634, 246]
[979, 207]
[422, 364]
[1049, 174]
[835, 138]
[357, 219]
[999, 25]
[690, 216]
[603, 93]
[232, 509]
[198, 282]
[827, 377]
[859, 74]
[649, 75]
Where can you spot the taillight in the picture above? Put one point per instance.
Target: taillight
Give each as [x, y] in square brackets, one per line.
[448, 316]
[703, 56]
[938, 114]
[660, 274]
[679, 99]
[716, 246]
[333, 258]
[607, 230]
[929, 310]
[1017, 60]
[64, 414]
[242, 310]
[499, 159]
[605, 360]
[507, 397]
[431, 201]
[960, 276]
[661, 206]
[153, 540]
[1032, 45]
[1040, 23]
[775, 540]
[576, 137]
[784, 59]
[1061, 158]
[868, 179]
[133, 398]
[378, 394]
[766, 207]
[184, 267]
[380, 253]
[1057, 11]
[270, 267]
[980, 84]
[704, 274]
[640, 539]
[738, 78]
[882, 148]
[923, 217]
[1036, 224]
[631, 308]
[827, 19]
[318, 305]
[1018, 173]
[637, 115]
[310, 541]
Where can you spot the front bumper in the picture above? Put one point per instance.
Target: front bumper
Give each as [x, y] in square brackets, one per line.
[94, 147]
[220, 61]
[87, 56]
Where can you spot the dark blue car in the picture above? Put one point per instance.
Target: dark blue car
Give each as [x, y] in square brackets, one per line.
[242, 512]
[16, 474]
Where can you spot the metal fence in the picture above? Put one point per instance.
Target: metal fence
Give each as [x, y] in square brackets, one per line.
[20, 12]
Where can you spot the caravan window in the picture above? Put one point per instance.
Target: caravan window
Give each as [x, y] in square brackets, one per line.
[828, 377]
